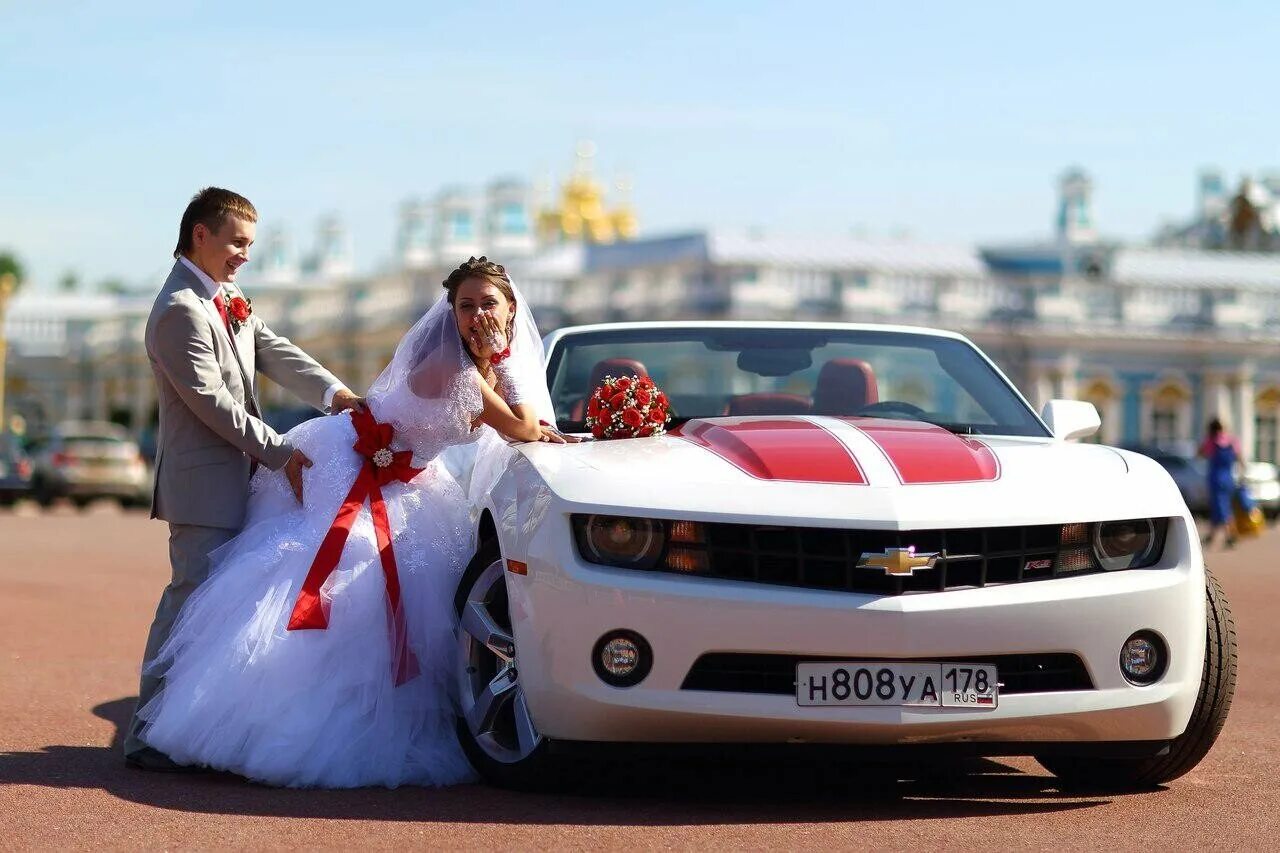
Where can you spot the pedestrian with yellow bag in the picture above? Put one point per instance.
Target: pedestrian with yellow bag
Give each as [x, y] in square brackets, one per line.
[1230, 508]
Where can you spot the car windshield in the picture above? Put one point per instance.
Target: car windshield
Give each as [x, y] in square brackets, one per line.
[90, 438]
[723, 371]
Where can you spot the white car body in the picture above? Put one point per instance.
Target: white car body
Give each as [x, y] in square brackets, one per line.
[562, 604]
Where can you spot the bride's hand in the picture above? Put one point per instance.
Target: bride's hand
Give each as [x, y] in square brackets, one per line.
[553, 436]
[478, 347]
[492, 333]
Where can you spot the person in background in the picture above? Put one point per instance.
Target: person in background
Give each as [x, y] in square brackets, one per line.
[1222, 452]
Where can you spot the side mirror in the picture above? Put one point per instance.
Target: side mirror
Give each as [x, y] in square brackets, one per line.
[1071, 419]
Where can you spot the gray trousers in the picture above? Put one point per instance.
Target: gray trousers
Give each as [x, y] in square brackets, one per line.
[189, 549]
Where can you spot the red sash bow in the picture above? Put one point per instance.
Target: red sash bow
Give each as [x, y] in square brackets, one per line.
[381, 466]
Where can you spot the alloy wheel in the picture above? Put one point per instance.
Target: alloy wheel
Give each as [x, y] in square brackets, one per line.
[493, 703]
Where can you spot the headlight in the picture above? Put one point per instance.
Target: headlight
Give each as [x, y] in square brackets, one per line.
[1131, 544]
[642, 543]
[612, 540]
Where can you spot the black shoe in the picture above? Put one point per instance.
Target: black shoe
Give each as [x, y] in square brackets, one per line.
[157, 762]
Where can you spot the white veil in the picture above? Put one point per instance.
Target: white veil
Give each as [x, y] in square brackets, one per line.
[430, 394]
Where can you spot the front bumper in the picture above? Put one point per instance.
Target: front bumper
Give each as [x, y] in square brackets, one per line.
[563, 606]
[75, 486]
[14, 487]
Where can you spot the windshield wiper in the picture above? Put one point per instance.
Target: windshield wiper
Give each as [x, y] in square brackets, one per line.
[958, 429]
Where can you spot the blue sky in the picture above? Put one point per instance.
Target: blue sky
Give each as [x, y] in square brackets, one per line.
[950, 121]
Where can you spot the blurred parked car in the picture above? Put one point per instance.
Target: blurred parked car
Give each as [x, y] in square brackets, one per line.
[1262, 482]
[84, 460]
[15, 471]
[1187, 471]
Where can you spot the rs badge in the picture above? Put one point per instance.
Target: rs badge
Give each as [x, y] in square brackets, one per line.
[898, 562]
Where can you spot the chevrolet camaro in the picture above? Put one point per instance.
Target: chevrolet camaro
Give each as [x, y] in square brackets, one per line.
[850, 535]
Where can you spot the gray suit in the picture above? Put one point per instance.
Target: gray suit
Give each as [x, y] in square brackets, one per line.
[210, 434]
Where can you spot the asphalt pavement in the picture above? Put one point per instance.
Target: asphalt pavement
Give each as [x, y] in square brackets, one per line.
[77, 592]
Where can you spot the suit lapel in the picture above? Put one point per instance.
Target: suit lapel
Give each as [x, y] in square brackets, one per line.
[232, 345]
[243, 337]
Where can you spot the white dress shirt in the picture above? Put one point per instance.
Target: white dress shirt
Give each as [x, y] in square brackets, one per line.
[211, 288]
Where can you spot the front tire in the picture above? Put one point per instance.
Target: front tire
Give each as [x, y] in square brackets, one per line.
[494, 725]
[1213, 702]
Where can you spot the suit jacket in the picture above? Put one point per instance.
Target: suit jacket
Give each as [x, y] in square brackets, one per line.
[210, 425]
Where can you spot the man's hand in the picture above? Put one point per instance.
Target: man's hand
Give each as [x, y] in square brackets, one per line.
[293, 469]
[344, 399]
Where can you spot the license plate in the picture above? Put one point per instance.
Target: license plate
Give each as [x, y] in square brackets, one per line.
[923, 685]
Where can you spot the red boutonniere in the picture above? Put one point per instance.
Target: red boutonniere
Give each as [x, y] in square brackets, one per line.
[238, 310]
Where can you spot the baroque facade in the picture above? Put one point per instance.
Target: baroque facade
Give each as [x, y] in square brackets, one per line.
[1158, 338]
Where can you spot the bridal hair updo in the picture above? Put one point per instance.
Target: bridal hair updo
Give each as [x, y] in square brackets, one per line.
[482, 268]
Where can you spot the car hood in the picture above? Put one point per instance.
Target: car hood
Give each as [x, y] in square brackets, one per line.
[836, 471]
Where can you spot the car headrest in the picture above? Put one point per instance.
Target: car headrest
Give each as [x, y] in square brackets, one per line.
[844, 386]
[616, 367]
[764, 403]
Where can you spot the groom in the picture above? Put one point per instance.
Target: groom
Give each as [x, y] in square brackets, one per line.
[206, 346]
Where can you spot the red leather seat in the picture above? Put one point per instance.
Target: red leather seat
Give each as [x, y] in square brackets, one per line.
[615, 367]
[844, 386]
[765, 403]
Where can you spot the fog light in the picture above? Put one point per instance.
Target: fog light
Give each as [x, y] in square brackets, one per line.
[1143, 658]
[622, 658]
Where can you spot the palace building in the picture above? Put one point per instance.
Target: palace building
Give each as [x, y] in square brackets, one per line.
[1159, 337]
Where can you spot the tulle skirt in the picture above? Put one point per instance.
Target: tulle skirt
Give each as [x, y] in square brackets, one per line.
[320, 708]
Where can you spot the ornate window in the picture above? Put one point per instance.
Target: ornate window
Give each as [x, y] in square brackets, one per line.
[512, 219]
[1164, 427]
[1166, 415]
[460, 225]
[1266, 425]
[1105, 396]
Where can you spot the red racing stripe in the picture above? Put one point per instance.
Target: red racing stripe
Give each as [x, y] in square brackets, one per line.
[777, 449]
[923, 453]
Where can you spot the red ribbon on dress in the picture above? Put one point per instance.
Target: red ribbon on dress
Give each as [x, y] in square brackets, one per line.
[381, 467]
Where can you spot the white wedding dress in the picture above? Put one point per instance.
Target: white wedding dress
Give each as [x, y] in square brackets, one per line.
[322, 708]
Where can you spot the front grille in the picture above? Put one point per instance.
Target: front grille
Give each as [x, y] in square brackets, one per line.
[733, 672]
[825, 558]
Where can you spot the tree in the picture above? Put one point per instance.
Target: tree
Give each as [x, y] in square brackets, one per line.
[69, 283]
[10, 265]
[11, 278]
[112, 286]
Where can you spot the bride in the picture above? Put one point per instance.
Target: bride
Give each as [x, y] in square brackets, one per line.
[317, 653]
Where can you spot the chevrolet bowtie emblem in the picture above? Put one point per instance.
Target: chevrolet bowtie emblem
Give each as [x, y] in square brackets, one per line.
[897, 561]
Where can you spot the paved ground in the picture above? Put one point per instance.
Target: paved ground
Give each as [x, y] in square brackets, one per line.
[77, 593]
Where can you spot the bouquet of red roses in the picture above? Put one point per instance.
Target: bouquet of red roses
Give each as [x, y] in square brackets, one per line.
[627, 407]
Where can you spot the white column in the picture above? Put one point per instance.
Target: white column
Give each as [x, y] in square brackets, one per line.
[1068, 368]
[1244, 410]
[1217, 400]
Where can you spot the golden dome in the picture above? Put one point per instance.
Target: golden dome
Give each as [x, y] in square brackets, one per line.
[582, 213]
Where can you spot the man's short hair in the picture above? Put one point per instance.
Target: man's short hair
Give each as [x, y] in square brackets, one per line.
[210, 207]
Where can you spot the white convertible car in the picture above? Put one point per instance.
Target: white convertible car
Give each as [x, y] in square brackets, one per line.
[852, 534]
